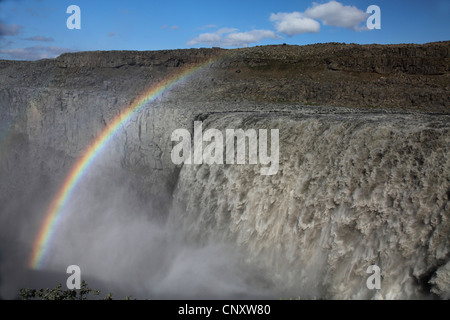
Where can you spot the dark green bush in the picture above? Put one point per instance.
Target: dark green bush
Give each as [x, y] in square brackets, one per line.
[84, 293]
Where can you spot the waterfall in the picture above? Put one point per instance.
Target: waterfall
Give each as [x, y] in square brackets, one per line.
[352, 190]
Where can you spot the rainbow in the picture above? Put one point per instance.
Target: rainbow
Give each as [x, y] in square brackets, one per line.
[55, 211]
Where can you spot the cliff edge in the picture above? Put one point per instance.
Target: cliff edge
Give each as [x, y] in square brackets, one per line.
[404, 76]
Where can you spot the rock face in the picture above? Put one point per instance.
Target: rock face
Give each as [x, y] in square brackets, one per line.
[414, 77]
[353, 190]
[342, 181]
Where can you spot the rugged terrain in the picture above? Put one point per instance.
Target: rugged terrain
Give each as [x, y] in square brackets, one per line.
[364, 163]
[411, 77]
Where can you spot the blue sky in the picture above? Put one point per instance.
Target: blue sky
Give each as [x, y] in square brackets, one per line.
[34, 29]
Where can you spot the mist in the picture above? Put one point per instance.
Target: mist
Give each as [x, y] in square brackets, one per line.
[123, 247]
[360, 183]
[225, 231]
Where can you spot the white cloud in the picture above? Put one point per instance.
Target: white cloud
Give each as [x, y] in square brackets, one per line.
[226, 30]
[238, 39]
[209, 26]
[206, 38]
[332, 13]
[34, 53]
[40, 38]
[9, 30]
[294, 23]
[229, 37]
[336, 14]
[211, 38]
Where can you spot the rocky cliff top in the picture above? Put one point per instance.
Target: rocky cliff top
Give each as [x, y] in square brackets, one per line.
[427, 59]
[402, 76]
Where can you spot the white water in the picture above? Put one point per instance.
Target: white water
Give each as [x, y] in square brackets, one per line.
[351, 191]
